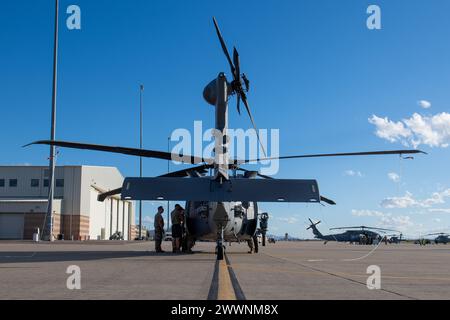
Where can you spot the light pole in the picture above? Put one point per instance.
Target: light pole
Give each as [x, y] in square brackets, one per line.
[168, 167]
[51, 177]
[141, 90]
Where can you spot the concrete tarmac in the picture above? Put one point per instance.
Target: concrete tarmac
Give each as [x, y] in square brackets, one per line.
[285, 270]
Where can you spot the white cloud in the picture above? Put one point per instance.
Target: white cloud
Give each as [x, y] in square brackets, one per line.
[439, 210]
[394, 177]
[437, 220]
[353, 173]
[290, 220]
[158, 203]
[389, 130]
[418, 130]
[436, 198]
[368, 213]
[424, 104]
[399, 202]
[407, 201]
[400, 223]
[147, 219]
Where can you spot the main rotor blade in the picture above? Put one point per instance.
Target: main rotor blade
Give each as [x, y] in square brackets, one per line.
[363, 227]
[326, 200]
[382, 229]
[237, 65]
[370, 153]
[224, 48]
[124, 150]
[102, 196]
[239, 104]
[237, 77]
[244, 100]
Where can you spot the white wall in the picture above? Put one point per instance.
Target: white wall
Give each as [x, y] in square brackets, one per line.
[103, 178]
[97, 217]
[25, 206]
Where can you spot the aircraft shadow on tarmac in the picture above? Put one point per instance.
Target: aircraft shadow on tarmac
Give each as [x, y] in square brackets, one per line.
[61, 256]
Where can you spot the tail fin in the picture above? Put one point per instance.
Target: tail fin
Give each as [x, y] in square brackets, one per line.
[315, 231]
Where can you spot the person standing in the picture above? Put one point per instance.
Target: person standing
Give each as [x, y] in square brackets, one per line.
[177, 217]
[159, 229]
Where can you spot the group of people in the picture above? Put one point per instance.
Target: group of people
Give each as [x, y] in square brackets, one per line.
[177, 219]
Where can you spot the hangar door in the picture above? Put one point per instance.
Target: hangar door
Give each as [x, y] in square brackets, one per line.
[11, 226]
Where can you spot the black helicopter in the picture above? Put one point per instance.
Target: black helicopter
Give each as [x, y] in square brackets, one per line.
[359, 234]
[395, 238]
[441, 237]
[221, 206]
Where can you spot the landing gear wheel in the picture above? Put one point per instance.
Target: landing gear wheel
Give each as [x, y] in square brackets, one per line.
[220, 251]
[220, 247]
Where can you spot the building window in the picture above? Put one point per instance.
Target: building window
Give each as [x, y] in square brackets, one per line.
[60, 183]
[45, 183]
[2, 182]
[13, 183]
[34, 183]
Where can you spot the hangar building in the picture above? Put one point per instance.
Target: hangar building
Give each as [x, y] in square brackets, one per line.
[77, 213]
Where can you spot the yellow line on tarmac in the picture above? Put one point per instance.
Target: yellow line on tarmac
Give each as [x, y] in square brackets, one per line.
[226, 290]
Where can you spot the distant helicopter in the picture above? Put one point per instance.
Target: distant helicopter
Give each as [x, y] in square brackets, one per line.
[395, 238]
[441, 237]
[361, 235]
[221, 206]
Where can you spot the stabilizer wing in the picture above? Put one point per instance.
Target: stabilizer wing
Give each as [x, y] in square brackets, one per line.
[235, 189]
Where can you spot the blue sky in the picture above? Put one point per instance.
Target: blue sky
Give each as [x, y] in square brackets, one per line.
[317, 74]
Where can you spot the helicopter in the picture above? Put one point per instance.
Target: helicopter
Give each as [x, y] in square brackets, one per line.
[360, 234]
[219, 206]
[441, 237]
[395, 238]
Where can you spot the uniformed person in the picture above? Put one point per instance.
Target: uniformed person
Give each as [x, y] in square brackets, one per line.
[253, 244]
[159, 229]
[250, 245]
[177, 217]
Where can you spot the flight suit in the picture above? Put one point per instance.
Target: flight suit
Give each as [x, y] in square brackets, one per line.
[159, 231]
[253, 244]
[177, 228]
[250, 245]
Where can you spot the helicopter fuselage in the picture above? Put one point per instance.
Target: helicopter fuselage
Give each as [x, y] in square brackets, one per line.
[205, 220]
[442, 239]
